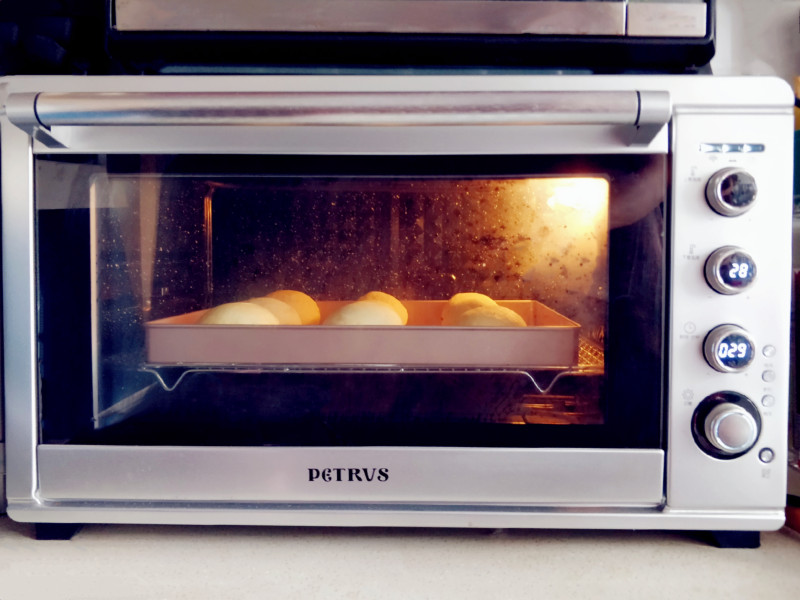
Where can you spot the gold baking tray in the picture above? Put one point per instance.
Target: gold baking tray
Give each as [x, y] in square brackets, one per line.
[550, 340]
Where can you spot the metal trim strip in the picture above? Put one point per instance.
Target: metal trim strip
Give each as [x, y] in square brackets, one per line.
[374, 474]
[417, 516]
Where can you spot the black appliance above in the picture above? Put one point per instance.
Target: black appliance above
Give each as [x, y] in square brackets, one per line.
[205, 36]
[597, 35]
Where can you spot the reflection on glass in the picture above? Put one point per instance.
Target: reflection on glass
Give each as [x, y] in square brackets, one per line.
[190, 244]
[162, 245]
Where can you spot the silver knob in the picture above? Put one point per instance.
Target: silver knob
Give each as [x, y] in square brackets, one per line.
[729, 348]
[731, 191]
[729, 270]
[731, 429]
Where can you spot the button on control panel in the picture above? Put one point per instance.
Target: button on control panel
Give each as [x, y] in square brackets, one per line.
[767, 455]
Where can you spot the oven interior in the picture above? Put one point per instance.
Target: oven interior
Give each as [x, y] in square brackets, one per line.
[127, 243]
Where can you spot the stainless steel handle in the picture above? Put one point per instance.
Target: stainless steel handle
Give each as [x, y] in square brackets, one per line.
[644, 111]
[339, 108]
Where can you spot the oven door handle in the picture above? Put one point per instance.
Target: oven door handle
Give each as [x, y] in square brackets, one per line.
[644, 112]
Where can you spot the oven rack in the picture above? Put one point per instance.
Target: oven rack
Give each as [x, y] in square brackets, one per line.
[170, 377]
[590, 363]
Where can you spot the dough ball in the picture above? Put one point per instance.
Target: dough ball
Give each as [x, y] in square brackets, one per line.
[364, 312]
[461, 303]
[285, 314]
[238, 313]
[396, 305]
[304, 304]
[490, 316]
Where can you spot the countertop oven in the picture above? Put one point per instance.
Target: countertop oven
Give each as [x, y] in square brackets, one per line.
[512, 301]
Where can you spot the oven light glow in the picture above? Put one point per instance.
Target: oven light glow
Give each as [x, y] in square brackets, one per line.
[566, 240]
[588, 196]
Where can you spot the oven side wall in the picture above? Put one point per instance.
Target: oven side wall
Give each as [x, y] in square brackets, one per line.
[19, 351]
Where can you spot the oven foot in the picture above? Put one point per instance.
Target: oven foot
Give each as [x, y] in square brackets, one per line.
[733, 539]
[55, 531]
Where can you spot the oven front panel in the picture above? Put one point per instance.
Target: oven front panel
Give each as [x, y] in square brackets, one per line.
[127, 381]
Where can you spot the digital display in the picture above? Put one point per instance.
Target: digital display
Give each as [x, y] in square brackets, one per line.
[738, 190]
[734, 351]
[737, 270]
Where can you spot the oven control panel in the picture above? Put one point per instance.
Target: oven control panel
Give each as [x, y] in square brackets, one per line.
[729, 335]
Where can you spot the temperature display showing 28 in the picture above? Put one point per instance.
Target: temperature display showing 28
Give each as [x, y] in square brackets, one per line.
[737, 270]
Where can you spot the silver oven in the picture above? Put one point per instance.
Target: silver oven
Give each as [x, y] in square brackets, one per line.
[491, 301]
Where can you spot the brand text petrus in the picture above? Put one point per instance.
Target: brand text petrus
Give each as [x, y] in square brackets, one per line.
[379, 474]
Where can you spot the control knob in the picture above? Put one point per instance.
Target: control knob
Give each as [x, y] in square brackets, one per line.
[730, 428]
[726, 425]
[729, 270]
[729, 348]
[731, 191]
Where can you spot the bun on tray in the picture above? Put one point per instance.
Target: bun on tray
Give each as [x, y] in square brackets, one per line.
[238, 313]
[461, 303]
[305, 305]
[285, 313]
[490, 316]
[393, 302]
[364, 312]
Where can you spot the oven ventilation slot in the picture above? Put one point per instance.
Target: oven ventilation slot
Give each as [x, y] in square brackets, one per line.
[643, 112]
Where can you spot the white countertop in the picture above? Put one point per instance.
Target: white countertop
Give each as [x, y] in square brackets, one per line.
[127, 562]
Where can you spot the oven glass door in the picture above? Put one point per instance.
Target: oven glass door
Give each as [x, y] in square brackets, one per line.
[520, 304]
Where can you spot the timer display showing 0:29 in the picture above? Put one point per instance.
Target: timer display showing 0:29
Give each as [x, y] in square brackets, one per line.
[734, 351]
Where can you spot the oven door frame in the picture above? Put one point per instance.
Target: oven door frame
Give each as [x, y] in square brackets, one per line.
[40, 482]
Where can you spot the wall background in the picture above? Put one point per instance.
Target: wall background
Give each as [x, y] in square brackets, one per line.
[758, 37]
